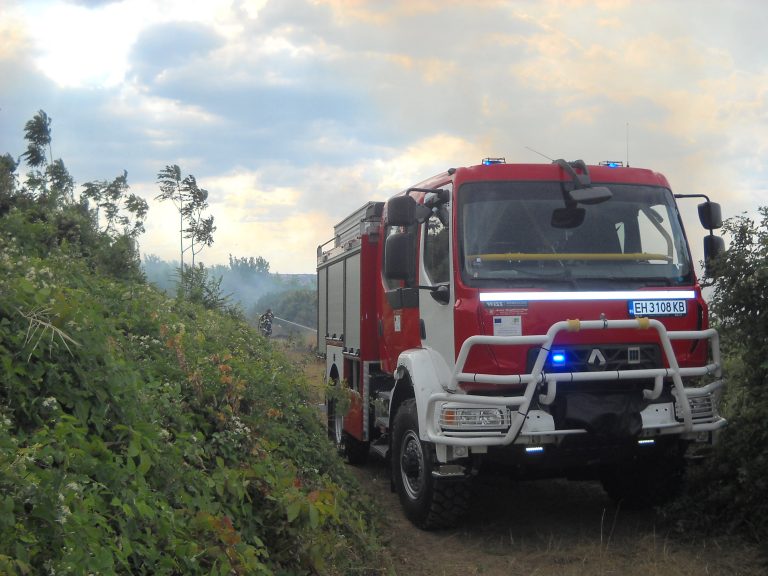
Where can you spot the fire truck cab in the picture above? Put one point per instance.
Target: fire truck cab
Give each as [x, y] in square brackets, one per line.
[542, 319]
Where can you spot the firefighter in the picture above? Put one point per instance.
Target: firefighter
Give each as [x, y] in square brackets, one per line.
[265, 323]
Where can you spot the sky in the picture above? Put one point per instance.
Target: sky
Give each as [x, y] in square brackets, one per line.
[293, 113]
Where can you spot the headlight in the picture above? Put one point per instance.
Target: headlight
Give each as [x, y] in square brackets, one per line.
[702, 408]
[474, 418]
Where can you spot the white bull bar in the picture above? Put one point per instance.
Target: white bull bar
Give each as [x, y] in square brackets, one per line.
[538, 377]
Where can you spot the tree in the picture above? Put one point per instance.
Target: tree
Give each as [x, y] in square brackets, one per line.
[123, 213]
[731, 492]
[37, 133]
[190, 201]
[246, 266]
[200, 229]
[7, 182]
[740, 298]
[49, 179]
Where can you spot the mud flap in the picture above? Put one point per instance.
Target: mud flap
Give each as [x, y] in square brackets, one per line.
[612, 415]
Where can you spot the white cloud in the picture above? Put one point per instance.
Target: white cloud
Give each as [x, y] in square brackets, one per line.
[293, 113]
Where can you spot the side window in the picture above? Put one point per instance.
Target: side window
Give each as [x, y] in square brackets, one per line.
[436, 250]
[655, 233]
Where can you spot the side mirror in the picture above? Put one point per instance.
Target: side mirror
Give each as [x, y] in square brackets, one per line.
[404, 211]
[568, 217]
[399, 256]
[400, 211]
[714, 246]
[710, 215]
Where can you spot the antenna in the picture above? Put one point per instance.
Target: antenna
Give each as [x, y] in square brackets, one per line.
[539, 153]
[627, 144]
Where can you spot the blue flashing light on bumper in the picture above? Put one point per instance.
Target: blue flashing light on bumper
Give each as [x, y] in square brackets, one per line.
[558, 358]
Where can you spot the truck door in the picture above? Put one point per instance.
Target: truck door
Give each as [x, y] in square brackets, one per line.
[436, 305]
[399, 313]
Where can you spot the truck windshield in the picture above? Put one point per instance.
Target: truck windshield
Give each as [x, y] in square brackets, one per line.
[507, 235]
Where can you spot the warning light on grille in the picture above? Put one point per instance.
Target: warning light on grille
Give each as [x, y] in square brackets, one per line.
[558, 357]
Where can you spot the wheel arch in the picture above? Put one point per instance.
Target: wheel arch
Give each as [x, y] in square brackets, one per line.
[420, 373]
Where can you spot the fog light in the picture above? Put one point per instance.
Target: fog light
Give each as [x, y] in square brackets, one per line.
[460, 451]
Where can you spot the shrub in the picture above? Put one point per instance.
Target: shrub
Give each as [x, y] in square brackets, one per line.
[730, 491]
[144, 435]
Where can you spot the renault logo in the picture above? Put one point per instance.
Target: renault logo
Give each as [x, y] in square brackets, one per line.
[596, 359]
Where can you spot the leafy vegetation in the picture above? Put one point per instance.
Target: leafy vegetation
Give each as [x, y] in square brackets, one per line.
[141, 434]
[729, 493]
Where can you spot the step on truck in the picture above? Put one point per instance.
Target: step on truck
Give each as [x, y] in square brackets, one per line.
[543, 320]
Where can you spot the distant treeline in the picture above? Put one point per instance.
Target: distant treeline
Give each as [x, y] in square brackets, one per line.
[248, 283]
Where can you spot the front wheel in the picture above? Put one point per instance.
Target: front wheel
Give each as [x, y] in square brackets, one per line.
[427, 501]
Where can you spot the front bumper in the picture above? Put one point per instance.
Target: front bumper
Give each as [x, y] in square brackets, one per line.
[505, 420]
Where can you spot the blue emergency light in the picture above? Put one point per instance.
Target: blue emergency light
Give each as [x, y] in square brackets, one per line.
[612, 164]
[489, 161]
[558, 358]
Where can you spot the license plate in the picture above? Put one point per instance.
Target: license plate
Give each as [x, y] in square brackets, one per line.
[657, 308]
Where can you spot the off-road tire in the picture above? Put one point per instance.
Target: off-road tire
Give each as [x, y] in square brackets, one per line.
[351, 449]
[429, 502]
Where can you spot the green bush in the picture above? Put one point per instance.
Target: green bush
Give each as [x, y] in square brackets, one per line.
[144, 435]
[729, 492]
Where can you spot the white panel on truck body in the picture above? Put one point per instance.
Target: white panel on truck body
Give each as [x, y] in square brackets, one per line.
[322, 308]
[336, 299]
[352, 303]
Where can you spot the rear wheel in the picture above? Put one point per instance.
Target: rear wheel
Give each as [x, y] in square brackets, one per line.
[350, 448]
[427, 501]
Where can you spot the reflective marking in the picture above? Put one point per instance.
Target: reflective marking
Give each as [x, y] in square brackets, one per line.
[575, 296]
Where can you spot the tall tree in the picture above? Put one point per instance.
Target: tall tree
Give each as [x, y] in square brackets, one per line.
[190, 201]
[169, 180]
[200, 229]
[49, 179]
[37, 133]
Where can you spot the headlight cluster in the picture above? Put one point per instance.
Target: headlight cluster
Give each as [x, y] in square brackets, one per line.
[468, 419]
[702, 408]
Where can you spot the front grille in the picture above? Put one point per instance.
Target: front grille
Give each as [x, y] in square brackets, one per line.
[601, 358]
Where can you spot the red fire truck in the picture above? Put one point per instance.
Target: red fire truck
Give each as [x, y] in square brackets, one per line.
[541, 319]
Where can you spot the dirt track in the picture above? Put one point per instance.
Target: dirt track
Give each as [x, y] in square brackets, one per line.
[548, 528]
[545, 528]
